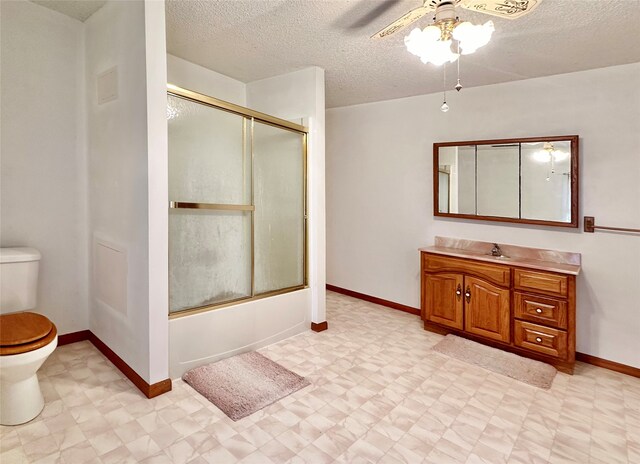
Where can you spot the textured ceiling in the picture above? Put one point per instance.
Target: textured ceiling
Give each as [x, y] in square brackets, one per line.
[254, 39]
[77, 9]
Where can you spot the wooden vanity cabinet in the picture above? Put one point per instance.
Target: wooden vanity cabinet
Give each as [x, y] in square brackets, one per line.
[443, 295]
[529, 312]
[488, 310]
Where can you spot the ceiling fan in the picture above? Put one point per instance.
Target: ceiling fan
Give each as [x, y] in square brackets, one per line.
[511, 9]
[447, 38]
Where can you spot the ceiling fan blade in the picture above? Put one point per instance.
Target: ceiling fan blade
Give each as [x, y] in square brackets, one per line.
[372, 15]
[402, 22]
[512, 9]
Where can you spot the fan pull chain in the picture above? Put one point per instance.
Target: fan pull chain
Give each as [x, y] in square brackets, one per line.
[458, 86]
[444, 108]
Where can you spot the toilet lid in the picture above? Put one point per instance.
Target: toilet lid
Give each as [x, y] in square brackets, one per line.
[21, 328]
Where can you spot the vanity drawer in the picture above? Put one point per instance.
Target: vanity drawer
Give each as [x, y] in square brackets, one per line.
[542, 310]
[541, 339]
[497, 274]
[541, 282]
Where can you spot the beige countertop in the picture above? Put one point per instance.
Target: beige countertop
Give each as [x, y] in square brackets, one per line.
[518, 257]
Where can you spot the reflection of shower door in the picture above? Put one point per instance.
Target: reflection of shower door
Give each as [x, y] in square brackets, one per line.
[237, 218]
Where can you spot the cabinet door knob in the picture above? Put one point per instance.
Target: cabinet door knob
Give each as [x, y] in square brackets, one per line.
[539, 311]
[467, 294]
[538, 339]
[459, 291]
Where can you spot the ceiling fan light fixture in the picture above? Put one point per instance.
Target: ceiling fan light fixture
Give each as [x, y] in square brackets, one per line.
[429, 46]
[471, 36]
[433, 43]
[431, 33]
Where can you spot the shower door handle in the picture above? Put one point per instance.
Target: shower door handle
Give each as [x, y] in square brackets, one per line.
[217, 206]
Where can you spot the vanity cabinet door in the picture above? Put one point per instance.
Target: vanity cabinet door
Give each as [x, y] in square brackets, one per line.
[443, 299]
[487, 310]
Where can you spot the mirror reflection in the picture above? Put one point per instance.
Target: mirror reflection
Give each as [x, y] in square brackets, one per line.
[527, 180]
[546, 181]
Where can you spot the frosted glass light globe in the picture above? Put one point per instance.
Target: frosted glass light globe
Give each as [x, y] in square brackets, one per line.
[439, 53]
[472, 37]
[427, 45]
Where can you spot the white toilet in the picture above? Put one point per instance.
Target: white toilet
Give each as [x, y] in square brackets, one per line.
[26, 338]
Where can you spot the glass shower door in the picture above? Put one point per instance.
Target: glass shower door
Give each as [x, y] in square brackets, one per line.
[210, 218]
[279, 225]
[237, 191]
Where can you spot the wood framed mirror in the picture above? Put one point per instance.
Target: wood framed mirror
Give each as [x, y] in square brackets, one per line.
[526, 180]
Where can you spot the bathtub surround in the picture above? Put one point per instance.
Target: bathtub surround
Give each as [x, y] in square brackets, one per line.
[380, 196]
[296, 97]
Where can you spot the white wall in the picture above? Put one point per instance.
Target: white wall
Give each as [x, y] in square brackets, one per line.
[158, 187]
[209, 336]
[379, 190]
[190, 76]
[43, 164]
[74, 171]
[118, 173]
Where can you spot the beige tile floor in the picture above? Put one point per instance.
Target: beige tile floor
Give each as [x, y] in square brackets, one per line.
[378, 394]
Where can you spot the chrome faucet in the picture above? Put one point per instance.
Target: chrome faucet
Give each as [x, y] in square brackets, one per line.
[496, 251]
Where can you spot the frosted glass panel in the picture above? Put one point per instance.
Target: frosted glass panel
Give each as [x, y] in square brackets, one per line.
[278, 165]
[209, 257]
[207, 160]
[498, 180]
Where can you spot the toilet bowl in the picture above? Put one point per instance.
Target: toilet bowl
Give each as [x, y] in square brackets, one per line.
[26, 338]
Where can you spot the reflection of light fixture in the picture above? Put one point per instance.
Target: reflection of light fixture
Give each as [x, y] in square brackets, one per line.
[550, 155]
[433, 43]
[172, 112]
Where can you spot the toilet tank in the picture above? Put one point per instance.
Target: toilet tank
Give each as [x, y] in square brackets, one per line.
[18, 279]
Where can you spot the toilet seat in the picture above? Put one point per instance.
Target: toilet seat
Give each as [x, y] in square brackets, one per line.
[24, 332]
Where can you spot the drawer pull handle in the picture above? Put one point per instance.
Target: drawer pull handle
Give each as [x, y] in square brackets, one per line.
[538, 339]
[538, 310]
